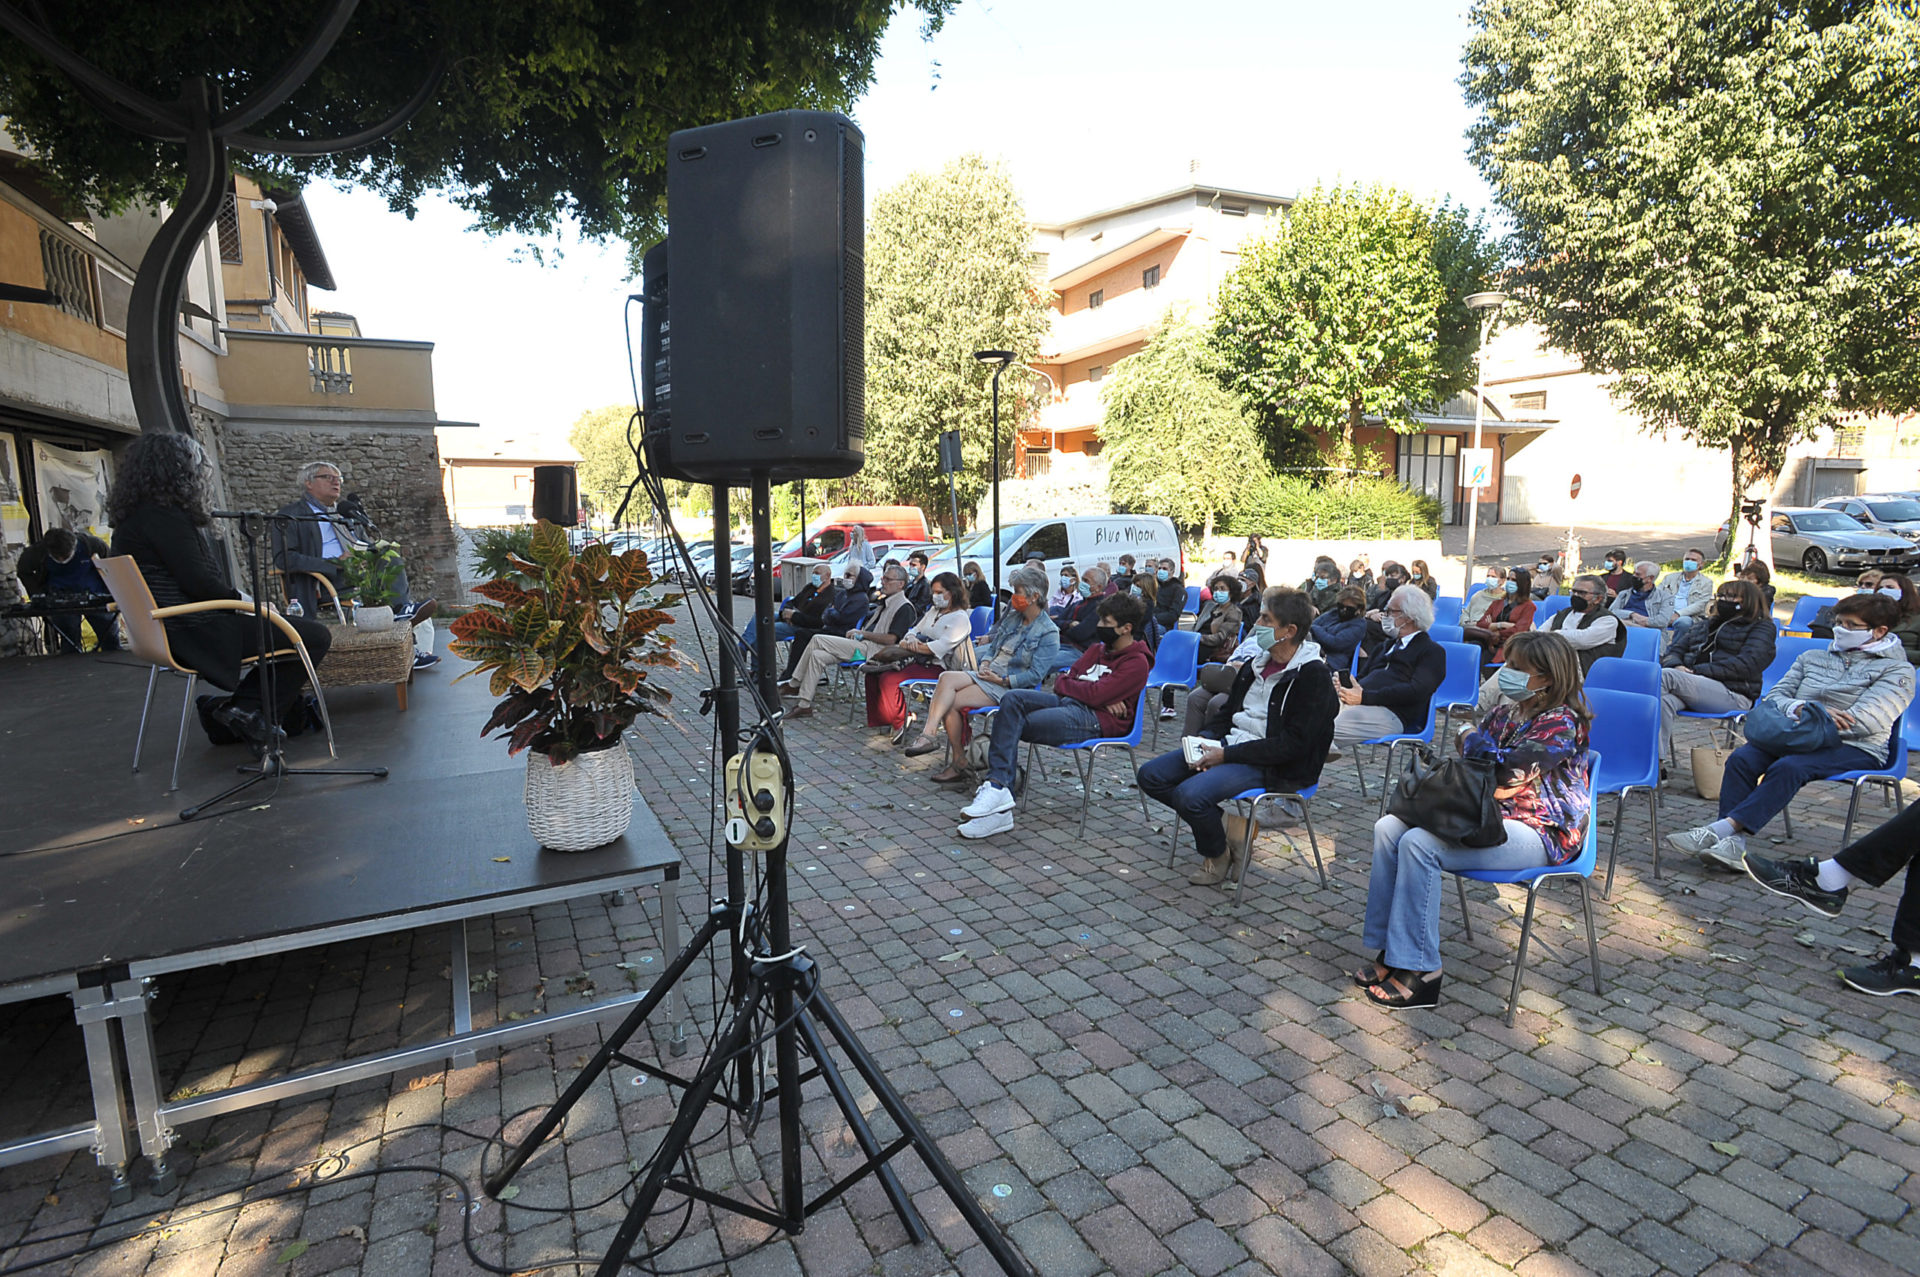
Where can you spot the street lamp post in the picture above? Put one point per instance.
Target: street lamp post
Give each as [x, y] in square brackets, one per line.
[1490, 304]
[1000, 358]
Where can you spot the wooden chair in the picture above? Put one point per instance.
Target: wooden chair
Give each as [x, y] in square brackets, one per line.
[147, 638]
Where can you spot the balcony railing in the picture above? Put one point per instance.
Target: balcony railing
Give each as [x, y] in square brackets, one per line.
[295, 370]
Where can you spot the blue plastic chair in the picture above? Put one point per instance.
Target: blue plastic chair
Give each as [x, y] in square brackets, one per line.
[1253, 798]
[980, 621]
[1475, 588]
[1626, 732]
[1618, 674]
[1393, 741]
[1447, 609]
[1805, 610]
[1086, 753]
[1176, 663]
[1579, 869]
[1543, 609]
[1193, 602]
[1643, 644]
[1447, 633]
[1461, 686]
[1890, 775]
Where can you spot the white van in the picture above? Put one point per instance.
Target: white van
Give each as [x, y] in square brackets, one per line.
[1082, 540]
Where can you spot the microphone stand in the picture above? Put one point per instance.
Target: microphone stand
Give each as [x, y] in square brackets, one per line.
[273, 758]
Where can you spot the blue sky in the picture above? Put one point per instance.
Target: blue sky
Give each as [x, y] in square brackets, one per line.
[1090, 103]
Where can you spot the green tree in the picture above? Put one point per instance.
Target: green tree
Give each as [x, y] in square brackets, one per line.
[1350, 307]
[606, 466]
[551, 111]
[1178, 443]
[1715, 202]
[948, 273]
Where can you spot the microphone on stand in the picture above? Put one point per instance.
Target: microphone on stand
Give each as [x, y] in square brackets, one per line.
[351, 509]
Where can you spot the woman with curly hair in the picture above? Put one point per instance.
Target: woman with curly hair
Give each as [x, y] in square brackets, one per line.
[158, 509]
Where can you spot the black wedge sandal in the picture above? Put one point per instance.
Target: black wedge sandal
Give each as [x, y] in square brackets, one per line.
[1374, 973]
[1403, 990]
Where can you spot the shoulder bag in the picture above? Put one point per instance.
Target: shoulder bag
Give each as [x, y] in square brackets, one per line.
[1450, 798]
[1774, 730]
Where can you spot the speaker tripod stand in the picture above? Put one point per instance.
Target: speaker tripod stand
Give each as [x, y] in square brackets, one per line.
[776, 985]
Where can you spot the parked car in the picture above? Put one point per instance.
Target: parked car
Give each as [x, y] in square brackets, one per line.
[740, 574]
[1891, 513]
[1821, 540]
[1082, 540]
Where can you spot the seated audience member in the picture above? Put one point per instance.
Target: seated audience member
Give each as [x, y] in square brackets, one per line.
[1078, 622]
[1106, 574]
[1273, 732]
[1395, 687]
[1756, 571]
[1147, 590]
[812, 598]
[1417, 574]
[1645, 603]
[1901, 590]
[1021, 649]
[1485, 600]
[833, 610]
[939, 641]
[919, 585]
[1358, 573]
[1591, 630]
[1068, 596]
[1861, 681]
[61, 562]
[979, 591]
[1340, 630]
[1096, 698]
[1323, 587]
[1539, 745]
[1867, 582]
[1823, 886]
[1172, 594]
[1513, 614]
[1220, 622]
[159, 513]
[1123, 576]
[1547, 576]
[1715, 668]
[1212, 683]
[1392, 577]
[1229, 564]
[1616, 574]
[1253, 579]
[1690, 589]
[892, 617]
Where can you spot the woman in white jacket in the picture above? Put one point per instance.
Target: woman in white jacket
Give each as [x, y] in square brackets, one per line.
[1864, 684]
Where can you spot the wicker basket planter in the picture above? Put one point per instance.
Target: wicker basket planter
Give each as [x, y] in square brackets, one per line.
[581, 804]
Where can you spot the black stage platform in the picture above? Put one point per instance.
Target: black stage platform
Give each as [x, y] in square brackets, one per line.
[103, 888]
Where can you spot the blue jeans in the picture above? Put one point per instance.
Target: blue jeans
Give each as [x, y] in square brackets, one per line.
[1196, 796]
[1403, 894]
[750, 635]
[1041, 717]
[1758, 785]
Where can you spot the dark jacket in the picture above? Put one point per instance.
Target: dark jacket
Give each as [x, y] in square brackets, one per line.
[296, 550]
[1219, 625]
[177, 560]
[979, 593]
[32, 565]
[1338, 636]
[849, 607]
[1322, 598]
[1404, 679]
[1594, 617]
[1077, 622]
[920, 593]
[1170, 602]
[1732, 653]
[1300, 714]
[810, 605]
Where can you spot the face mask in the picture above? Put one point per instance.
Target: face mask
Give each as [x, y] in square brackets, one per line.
[1511, 586]
[940, 602]
[1319, 582]
[1514, 683]
[1019, 602]
[1725, 608]
[1134, 590]
[1263, 637]
[1416, 575]
[1546, 567]
[1494, 583]
[1085, 591]
[1346, 611]
[849, 581]
[1690, 566]
[1162, 574]
[1106, 634]
[913, 572]
[972, 577]
[1391, 626]
[1891, 591]
[1846, 640]
[1579, 603]
[1066, 582]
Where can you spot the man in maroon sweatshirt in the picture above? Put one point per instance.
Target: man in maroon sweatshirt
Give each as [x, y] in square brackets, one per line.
[1095, 698]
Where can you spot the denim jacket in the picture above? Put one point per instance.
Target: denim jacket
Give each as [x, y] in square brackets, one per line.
[1032, 647]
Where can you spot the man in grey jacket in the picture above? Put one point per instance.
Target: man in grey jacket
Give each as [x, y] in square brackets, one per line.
[1690, 589]
[1864, 684]
[1647, 603]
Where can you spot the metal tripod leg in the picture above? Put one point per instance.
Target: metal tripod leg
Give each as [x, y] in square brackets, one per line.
[862, 1132]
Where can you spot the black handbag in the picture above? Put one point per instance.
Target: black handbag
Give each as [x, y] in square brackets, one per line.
[1450, 798]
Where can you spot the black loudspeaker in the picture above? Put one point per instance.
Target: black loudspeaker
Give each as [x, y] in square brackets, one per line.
[767, 257]
[556, 495]
[656, 365]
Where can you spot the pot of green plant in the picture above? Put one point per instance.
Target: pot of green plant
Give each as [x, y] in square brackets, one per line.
[369, 575]
[567, 641]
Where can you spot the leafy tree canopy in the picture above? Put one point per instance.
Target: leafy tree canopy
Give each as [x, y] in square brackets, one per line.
[1177, 442]
[551, 109]
[948, 273]
[1352, 306]
[1714, 200]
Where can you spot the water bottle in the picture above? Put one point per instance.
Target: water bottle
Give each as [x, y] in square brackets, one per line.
[294, 608]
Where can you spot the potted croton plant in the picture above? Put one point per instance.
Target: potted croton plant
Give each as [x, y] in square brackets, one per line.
[567, 639]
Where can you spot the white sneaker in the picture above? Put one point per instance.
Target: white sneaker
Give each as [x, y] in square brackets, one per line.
[1728, 853]
[990, 800]
[1693, 841]
[999, 822]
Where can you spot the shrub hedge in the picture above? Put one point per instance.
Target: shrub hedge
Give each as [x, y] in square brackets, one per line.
[1289, 506]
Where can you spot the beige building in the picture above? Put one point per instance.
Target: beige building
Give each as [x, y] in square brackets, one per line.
[487, 476]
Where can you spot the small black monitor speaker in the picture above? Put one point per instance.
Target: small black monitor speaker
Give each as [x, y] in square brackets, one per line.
[556, 495]
[767, 257]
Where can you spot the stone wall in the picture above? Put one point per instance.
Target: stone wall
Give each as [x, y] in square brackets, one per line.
[395, 469]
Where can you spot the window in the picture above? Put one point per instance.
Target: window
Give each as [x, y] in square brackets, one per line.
[829, 543]
[1530, 401]
[1781, 523]
[1096, 299]
[69, 274]
[1050, 541]
[1150, 277]
[1096, 372]
[1233, 210]
[227, 223]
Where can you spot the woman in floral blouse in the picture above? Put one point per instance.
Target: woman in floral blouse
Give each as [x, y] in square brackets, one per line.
[1539, 745]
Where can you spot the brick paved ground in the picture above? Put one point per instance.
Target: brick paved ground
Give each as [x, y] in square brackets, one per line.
[1134, 1078]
